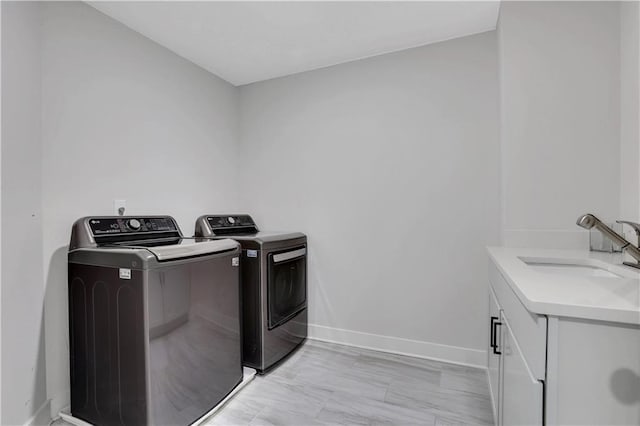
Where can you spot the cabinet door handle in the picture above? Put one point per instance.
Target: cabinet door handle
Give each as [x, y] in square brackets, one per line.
[494, 333]
[492, 339]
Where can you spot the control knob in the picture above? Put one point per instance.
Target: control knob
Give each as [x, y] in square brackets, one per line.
[231, 220]
[134, 224]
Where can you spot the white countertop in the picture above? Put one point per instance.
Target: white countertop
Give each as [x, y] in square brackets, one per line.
[554, 294]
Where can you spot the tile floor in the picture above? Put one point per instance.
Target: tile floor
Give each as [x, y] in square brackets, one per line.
[332, 384]
[328, 384]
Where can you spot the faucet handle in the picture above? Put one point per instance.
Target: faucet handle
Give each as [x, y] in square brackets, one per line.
[635, 226]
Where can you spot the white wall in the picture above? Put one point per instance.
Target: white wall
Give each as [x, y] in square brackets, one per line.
[23, 355]
[630, 113]
[560, 122]
[391, 166]
[123, 118]
[0, 216]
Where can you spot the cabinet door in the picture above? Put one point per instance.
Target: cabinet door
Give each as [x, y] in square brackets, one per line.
[494, 358]
[522, 393]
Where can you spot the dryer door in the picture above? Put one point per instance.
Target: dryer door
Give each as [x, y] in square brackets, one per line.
[286, 284]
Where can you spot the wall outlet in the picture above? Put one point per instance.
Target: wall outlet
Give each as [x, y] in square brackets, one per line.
[119, 207]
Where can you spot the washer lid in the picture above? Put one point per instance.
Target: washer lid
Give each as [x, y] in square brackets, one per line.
[191, 248]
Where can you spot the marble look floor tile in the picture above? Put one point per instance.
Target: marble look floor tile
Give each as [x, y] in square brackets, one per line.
[459, 406]
[329, 384]
[346, 381]
[279, 416]
[441, 421]
[331, 368]
[414, 361]
[389, 370]
[313, 358]
[336, 347]
[238, 411]
[468, 381]
[348, 409]
[294, 397]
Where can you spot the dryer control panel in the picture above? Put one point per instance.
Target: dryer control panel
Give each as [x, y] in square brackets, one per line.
[232, 224]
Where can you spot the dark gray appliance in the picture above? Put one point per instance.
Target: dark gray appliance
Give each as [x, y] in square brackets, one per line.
[154, 321]
[274, 287]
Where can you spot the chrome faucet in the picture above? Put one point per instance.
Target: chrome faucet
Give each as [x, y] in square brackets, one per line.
[589, 221]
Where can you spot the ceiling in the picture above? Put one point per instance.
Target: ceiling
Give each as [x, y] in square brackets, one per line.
[245, 42]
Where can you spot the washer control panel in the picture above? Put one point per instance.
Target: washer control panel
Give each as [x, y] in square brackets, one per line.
[128, 225]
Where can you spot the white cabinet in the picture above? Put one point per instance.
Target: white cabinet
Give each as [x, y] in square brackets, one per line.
[516, 359]
[548, 370]
[493, 361]
[522, 401]
[595, 374]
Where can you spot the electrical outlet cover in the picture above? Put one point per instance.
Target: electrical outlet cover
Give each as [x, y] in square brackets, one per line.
[117, 205]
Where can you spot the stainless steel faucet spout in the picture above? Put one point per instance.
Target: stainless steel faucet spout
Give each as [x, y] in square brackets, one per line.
[589, 221]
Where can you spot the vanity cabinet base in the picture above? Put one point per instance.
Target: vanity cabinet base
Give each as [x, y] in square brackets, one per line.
[593, 372]
[559, 370]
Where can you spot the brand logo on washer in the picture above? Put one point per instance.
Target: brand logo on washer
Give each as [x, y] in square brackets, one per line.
[125, 274]
[235, 261]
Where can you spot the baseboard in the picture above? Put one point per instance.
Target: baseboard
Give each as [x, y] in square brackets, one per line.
[42, 417]
[396, 345]
[59, 401]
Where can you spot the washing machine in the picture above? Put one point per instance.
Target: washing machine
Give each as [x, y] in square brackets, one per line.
[274, 287]
[154, 321]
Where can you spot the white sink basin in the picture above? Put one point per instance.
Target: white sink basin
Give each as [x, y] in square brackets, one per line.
[563, 267]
